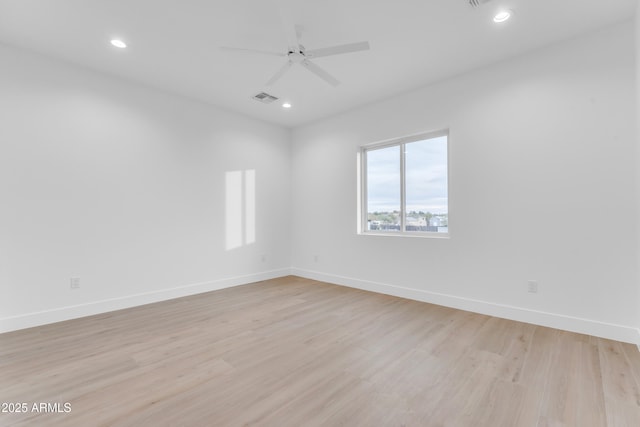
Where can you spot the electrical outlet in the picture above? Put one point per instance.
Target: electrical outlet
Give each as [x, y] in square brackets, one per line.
[315, 258]
[532, 286]
[264, 258]
[74, 283]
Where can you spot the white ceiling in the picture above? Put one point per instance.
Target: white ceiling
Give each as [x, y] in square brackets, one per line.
[174, 44]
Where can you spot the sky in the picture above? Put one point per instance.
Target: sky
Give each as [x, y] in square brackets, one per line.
[426, 177]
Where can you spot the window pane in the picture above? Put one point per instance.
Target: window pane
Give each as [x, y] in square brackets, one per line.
[383, 189]
[426, 185]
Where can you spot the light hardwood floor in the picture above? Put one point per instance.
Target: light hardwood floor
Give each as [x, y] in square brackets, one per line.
[295, 352]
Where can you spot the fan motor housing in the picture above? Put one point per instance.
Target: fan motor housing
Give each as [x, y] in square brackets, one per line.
[296, 57]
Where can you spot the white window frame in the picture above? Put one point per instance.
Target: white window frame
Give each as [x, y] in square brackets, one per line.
[362, 185]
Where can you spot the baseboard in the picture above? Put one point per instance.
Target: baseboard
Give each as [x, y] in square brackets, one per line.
[29, 320]
[552, 320]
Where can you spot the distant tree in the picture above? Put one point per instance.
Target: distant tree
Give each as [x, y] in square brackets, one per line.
[428, 217]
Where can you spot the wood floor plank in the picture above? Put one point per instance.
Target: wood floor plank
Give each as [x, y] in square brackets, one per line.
[298, 352]
[618, 378]
[560, 404]
[591, 409]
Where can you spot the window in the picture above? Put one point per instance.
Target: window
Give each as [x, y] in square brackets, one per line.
[404, 186]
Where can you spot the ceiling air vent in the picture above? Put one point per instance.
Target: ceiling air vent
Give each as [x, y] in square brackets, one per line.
[477, 3]
[265, 98]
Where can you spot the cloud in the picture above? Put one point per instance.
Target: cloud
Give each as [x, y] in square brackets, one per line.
[426, 177]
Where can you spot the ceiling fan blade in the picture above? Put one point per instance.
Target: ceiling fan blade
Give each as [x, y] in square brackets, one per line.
[291, 31]
[337, 50]
[280, 73]
[320, 72]
[241, 49]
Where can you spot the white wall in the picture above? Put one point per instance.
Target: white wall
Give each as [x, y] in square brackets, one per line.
[542, 187]
[125, 187]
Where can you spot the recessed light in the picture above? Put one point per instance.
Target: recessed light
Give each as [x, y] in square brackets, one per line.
[286, 105]
[502, 16]
[118, 43]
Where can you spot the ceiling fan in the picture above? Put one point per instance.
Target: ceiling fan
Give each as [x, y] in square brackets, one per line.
[297, 54]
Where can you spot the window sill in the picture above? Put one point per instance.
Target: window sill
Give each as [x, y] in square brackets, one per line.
[409, 234]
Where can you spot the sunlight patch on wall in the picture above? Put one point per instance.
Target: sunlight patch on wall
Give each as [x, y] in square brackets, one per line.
[250, 206]
[240, 208]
